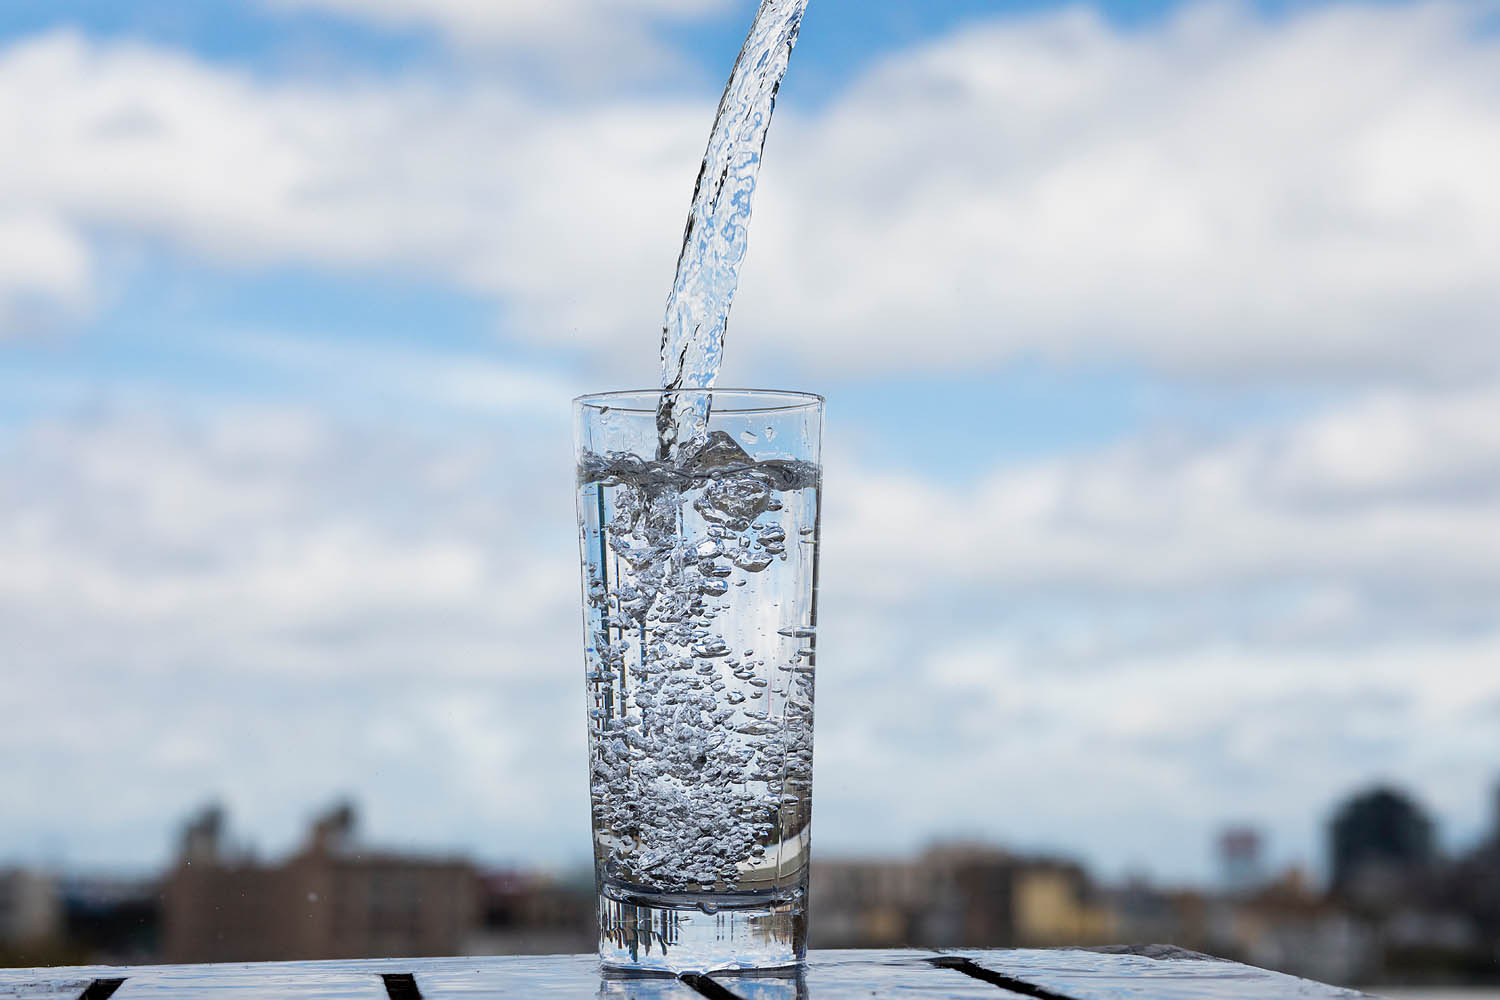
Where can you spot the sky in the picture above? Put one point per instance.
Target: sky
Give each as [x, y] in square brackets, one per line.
[1163, 438]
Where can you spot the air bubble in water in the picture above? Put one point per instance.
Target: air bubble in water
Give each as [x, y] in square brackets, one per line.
[687, 778]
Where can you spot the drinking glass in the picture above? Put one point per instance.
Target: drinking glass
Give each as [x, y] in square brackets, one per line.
[700, 584]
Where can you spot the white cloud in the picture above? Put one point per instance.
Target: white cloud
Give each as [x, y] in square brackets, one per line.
[1115, 652]
[1393, 486]
[1169, 623]
[44, 267]
[1140, 764]
[272, 607]
[1217, 193]
[594, 26]
[432, 379]
[545, 207]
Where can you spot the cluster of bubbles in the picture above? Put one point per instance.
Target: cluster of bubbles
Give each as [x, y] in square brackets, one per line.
[701, 745]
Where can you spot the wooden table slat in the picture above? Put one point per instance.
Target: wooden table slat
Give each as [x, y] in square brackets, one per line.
[1083, 974]
[893, 973]
[207, 983]
[35, 984]
[1157, 973]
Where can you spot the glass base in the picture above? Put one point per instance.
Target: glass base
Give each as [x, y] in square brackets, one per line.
[681, 933]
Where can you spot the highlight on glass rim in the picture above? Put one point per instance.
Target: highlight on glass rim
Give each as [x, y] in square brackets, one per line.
[1149, 622]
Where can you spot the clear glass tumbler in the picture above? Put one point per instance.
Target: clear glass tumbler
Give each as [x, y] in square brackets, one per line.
[700, 582]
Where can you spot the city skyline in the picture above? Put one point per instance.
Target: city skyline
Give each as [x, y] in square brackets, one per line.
[1395, 911]
[1239, 860]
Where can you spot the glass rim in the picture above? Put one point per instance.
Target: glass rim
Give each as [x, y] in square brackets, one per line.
[769, 400]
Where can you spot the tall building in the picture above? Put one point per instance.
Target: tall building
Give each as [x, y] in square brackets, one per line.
[1240, 863]
[1380, 846]
[331, 899]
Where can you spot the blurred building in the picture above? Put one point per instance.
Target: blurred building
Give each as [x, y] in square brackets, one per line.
[1395, 910]
[331, 899]
[1475, 884]
[1462, 925]
[112, 920]
[77, 919]
[1241, 866]
[865, 903]
[956, 895]
[1145, 914]
[526, 913]
[1380, 848]
[30, 909]
[1288, 924]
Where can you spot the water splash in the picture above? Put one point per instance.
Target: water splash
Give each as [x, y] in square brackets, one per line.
[714, 242]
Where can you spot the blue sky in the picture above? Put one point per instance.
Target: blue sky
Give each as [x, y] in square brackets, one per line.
[1174, 320]
[162, 326]
[842, 34]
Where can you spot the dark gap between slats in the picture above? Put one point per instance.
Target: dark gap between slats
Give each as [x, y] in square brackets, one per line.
[101, 989]
[401, 986]
[979, 972]
[706, 987]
